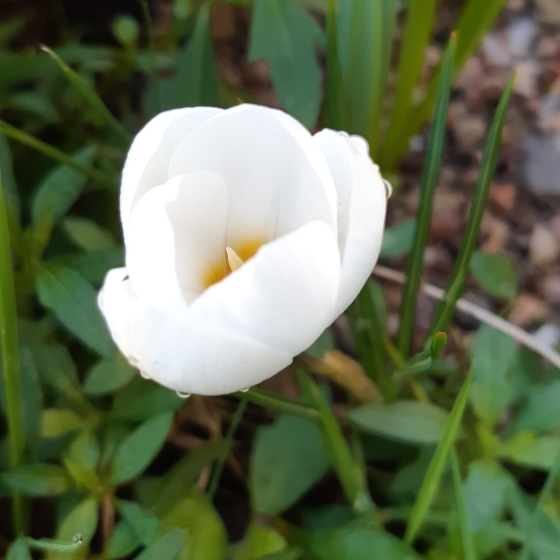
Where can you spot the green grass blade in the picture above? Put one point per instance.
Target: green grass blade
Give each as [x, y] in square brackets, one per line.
[431, 480]
[545, 495]
[456, 284]
[365, 38]
[428, 186]
[10, 358]
[334, 107]
[468, 546]
[416, 37]
[475, 20]
[90, 95]
[272, 401]
[54, 153]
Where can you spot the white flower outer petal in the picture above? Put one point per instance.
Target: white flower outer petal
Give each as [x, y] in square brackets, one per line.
[180, 354]
[362, 211]
[283, 297]
[176, 234]
[277, 178]
[148, 158]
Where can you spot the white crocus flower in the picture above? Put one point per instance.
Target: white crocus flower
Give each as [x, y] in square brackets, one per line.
[245, 238]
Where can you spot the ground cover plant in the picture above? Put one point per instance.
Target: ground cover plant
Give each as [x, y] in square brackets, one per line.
[381, 441]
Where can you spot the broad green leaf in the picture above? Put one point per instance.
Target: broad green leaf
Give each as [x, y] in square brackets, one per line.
[431, 480]
[492, 390]
[288, 458]
[397, 239]
[495, 273]
[108, 375]
[485, 490]
[196, 80]
[93, 265]
[365, 40]
[541, 411]
[259, 542]
[61, 188]
[123, 542]
[206, 535]
[34, 104]
[81, 520]
[73, 300]
[56, 422]
[82, 459]
[87, 234]
[178, 481]
[32, 401]
[408, 421]
[141, 400]
[530, 451]
[138, 450]
[19, 551]
[38, 480]
[167, 547]
[286, 37]
[144, 524]
[357, 543]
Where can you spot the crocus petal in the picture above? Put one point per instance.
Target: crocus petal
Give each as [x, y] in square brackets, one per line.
[283, 297]
[277, 177]
[362, 206]
[179, 354]
[176, 240]
[148, 158]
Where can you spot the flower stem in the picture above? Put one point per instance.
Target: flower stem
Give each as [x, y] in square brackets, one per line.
[272, 401]
[10, 358]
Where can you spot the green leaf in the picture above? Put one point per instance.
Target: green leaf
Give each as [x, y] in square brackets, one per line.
[122, 543]
[365, 41]
[288, 459]
[166, 547]
[73, 300]
[87, 234]
[93, 265]
[530, 451]
[415, 260]
[357, 543]
[398, 239]
[196, 80]
[462, 514]
[108, 375]
[142, 400]
[456, 284]
[495, 273]
[207, 538]
[144, 524]
[334, 103]
[81, 520]
[431, 480]
[38, 480]
[19, 551]
[61, 188]
[259, 542]
[541, 411]
[9, 184]
[493, 354]
[57, 422]
[408, 421]
[286, 37]
[138, 450]
[485, 490]
[34, 104]
[82, 459]
[32, 401]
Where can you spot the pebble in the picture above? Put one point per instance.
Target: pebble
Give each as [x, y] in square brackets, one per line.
[544, 246]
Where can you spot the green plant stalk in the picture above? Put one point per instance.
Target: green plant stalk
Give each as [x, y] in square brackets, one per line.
[428, 186]
[54, 545]
[272, 401]
[475, 20]
[416, 36]
[10, 358]
[334, 109]
[91, 96]
[219, 466]
[55, 154]
[468, 546]
[545, 495]
[349, 471]
[431, 480]
[456, 284]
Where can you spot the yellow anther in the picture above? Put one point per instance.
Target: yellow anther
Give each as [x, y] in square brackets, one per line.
[234, 260]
